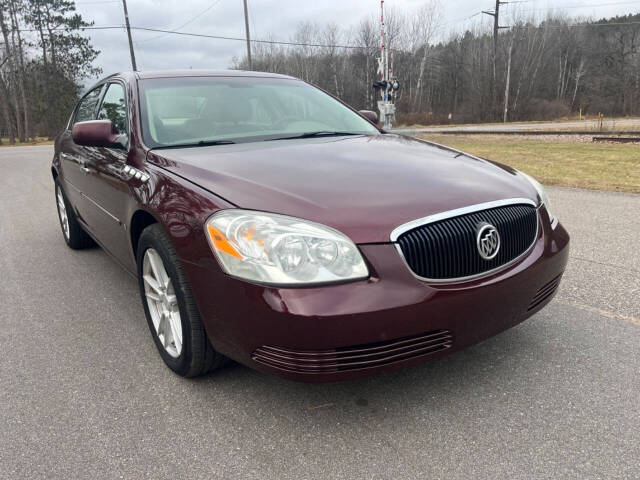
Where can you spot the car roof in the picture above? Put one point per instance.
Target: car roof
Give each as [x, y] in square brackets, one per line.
[206, 73]
[194, 73]
[132, 76]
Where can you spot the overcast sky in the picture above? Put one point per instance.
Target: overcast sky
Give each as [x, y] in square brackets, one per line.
[270, 18]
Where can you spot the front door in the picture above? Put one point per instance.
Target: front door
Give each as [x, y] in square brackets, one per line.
[73, 157]
[108, 192]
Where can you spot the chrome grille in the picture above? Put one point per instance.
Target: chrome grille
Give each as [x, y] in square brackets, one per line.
[446, 250]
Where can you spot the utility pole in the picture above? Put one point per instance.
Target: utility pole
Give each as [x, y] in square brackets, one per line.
[246, 27]
[508, 82]
[496, 28]
[126, 19]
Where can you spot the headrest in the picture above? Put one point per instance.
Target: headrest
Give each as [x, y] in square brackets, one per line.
[228, 110]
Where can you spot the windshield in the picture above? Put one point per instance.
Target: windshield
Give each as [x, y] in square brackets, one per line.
[203, 110]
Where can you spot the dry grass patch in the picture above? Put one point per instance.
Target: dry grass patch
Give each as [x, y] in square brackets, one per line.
[567, 162]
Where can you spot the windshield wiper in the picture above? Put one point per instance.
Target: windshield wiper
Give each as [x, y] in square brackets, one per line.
[201, 143]
[323, 133]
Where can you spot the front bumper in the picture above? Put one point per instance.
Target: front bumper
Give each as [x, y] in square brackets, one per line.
[375, 324]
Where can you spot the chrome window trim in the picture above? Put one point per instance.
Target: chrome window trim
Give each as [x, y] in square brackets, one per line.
[397, 232]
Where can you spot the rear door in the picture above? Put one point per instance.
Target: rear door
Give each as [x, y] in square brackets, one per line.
[73, 157]
[107, 185]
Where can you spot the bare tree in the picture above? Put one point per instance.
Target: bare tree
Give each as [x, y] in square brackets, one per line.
[422, 28]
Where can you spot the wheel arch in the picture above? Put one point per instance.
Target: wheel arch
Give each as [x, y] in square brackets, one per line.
[140, 220]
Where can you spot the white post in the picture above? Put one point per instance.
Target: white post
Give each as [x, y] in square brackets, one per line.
[382, 67]
[385, 106]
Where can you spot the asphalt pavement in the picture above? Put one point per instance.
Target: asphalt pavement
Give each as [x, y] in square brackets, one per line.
[84, 394]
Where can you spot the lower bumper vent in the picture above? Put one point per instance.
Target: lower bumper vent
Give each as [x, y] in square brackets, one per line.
[353, 358]
[545, 293]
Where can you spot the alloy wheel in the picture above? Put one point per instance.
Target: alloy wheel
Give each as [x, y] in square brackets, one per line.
[62, 211]
[162, 302]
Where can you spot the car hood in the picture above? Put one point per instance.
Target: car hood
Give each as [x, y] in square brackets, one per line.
[363, 186]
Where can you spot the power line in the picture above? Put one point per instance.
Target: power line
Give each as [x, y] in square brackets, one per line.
[511, 2]
[193, 19]
[463, 19]
[216, 37]
[480, 12]
[320, 45]
[219, 37]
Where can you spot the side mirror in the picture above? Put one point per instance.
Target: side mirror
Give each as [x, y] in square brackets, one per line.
[97, 133]
[369, 115]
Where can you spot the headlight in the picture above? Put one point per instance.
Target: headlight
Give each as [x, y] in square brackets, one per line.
[280, 250]
[543, 196]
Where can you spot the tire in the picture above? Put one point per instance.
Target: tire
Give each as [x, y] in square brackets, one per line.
[73, 234]
[194, 356]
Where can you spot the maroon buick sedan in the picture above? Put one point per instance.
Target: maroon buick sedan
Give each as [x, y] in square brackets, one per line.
[269, 223]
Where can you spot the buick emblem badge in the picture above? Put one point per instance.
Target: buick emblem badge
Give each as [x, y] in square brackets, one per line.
[488, 241]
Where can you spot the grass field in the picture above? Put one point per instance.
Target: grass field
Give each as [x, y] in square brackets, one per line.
[566, 162]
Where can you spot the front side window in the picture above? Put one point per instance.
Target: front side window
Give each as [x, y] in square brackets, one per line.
[87, 106]
[114, 107]
[191, 110]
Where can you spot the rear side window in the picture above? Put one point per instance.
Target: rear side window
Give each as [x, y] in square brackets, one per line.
[114, 107]
[87, 106]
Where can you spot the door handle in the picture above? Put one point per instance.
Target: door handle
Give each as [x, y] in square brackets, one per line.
[71, 158]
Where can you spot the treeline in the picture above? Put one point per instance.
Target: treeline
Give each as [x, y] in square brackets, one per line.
[552, 66]
[43, 60]
[545, 68]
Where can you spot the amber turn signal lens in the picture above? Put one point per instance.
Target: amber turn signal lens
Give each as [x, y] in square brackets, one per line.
[221, 243]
